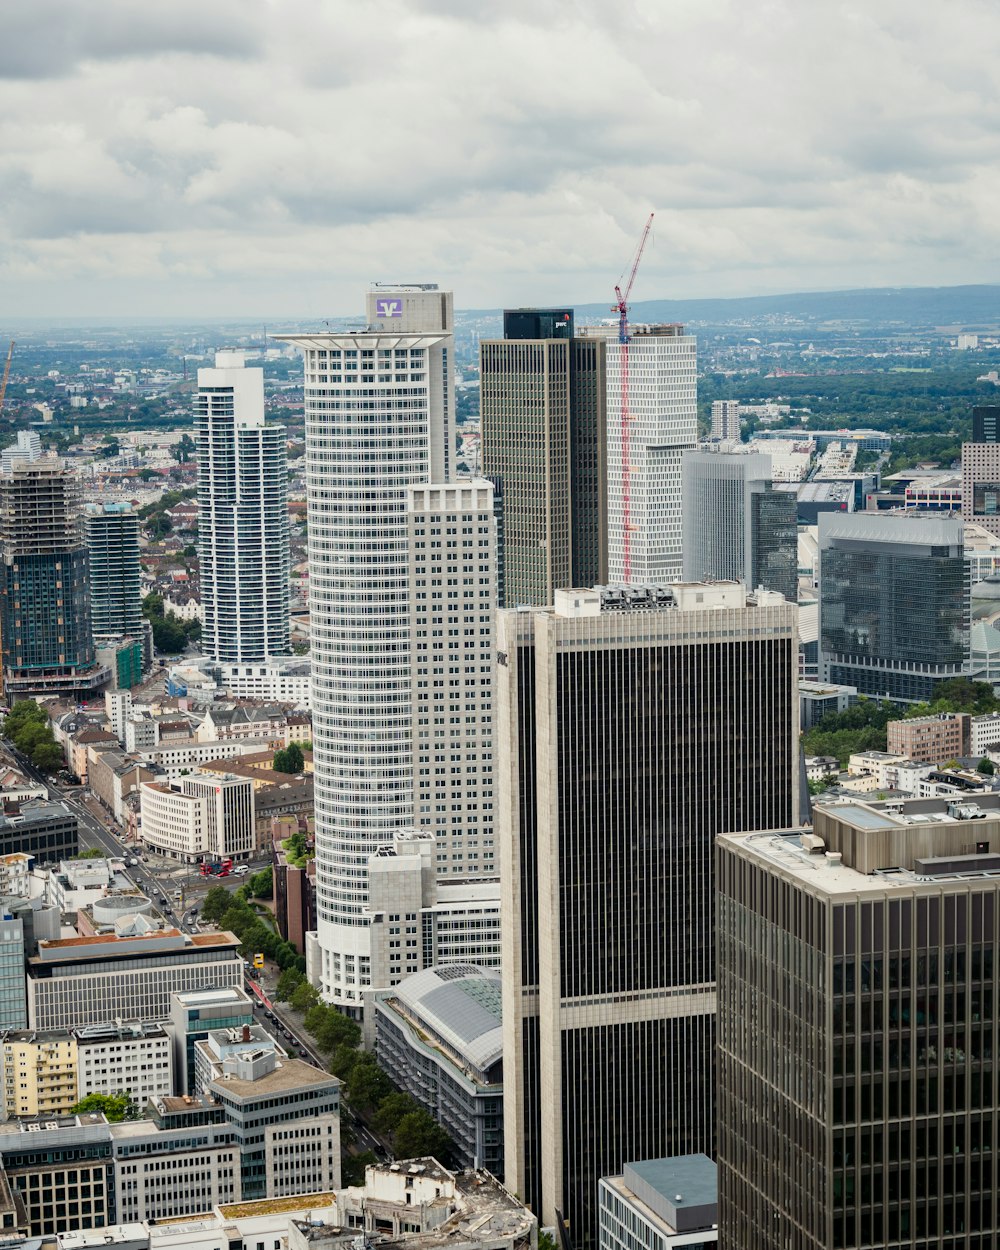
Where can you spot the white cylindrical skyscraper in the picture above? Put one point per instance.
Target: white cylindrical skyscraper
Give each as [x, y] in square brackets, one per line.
[242, 516]
[378, 409]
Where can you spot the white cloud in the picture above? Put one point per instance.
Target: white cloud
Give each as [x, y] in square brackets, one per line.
[274, 158]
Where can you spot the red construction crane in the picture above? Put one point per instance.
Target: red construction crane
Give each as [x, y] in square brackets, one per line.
[6, 374]
[621, 308]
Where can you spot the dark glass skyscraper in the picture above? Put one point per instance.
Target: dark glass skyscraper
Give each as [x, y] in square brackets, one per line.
[986, 423]
[857, 1006]
[48, 644]
[112, 531]
[633, 727]
[542, 414]
[894, 604]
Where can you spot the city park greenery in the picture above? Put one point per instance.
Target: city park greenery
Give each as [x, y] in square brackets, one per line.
[170, 634]
[290, 760]
[862, 727]
[27, 725]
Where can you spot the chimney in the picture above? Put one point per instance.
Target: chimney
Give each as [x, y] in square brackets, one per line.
[246, 1032]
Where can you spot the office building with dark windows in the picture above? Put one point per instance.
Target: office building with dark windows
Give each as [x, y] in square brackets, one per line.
[634, 725]
[981, 470]
[48, 642]
[737, 527]
[857, 1008]
[543, 404]
[893, 603]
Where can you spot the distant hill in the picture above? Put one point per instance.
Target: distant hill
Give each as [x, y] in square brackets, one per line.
[920, 307]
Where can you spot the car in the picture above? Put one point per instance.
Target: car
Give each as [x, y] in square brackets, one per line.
[241, 871]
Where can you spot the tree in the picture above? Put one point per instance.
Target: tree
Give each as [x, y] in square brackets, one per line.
[217, 902]
[986, 767]
[290, 760]
[47, 756]
[147, 475]
[330, 1028]
[190, 552]
[342, 1061]
[305, 996]
[352, 1167]
[181, 451]
[288, 983]
[261, 884]
[367, 1084]
[419, 1134]
[93, 852]
[115, 1107]
[391, 1111]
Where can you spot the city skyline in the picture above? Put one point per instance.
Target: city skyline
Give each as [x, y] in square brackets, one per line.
[527, 143]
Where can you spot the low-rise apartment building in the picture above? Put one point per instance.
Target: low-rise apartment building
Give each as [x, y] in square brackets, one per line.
[135, 1058]
[113, 776]
[39, 1072]
[930, 739]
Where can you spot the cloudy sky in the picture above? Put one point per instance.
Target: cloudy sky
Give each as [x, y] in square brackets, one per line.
[270, 158]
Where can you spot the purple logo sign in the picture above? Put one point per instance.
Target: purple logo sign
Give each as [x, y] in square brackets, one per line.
[389, 307]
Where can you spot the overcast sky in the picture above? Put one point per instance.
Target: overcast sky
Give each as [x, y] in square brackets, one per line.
[270, 158]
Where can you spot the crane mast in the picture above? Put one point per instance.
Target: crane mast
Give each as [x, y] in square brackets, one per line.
[621, 307]
[6, 374]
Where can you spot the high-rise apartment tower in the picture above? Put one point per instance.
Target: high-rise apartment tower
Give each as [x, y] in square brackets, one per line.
[242, 516]
[112, 532]
[726, 420]
[633, 727]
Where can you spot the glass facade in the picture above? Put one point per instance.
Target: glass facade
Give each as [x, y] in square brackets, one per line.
[774, 537]
[13, 998]
[894, 615]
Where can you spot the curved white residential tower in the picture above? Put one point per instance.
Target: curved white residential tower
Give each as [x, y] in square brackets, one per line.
[242, 516]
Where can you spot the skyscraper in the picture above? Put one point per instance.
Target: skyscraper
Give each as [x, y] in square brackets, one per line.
[48, 644]
[542, 421]
[632, 728]
[112, 532]
[379, 419]
[242, 516]
[644, 451]
[453, 615]
[857, 1002]
[737, 527]
[893, 603]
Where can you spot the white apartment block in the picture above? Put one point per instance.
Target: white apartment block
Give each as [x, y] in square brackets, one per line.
[242, 516]
[118, 708]
[644, 451]
[285, 679]
[135, 1058]
[379, 412]
[452, 535]
[726, 420]
[201, 815]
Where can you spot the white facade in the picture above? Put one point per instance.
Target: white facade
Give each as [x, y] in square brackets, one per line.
[136, 1059]
[178, 759]
[379, 418]
[452, 534]
[726, 420]
[173, 822]
[118, 708]
[644, 486]
[201, 815]
[242, 516]
[26, 446]
[286, 679]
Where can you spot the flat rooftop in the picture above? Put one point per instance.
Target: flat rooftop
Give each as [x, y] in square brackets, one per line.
[289, 1074]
